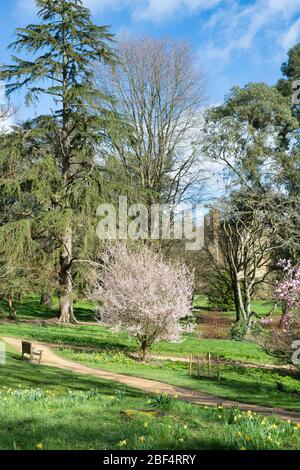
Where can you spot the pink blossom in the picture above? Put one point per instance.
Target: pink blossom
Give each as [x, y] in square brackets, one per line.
[288, 290]
[140, 292]
[265, 321]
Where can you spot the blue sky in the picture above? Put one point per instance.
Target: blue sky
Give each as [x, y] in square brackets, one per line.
[236, 41]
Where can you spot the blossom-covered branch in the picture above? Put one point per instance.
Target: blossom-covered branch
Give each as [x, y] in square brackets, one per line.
[145, 295]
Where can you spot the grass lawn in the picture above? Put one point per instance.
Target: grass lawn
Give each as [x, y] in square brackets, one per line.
[30, 309]
[261, 307]
[47, 408]
[258, 386]
[101, 338]
[250, 385]
[110, 351]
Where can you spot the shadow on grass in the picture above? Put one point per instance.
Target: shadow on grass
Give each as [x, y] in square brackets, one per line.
[248, 387]
[75, 336]
[31, 308]
[18, 372]
[91, 432]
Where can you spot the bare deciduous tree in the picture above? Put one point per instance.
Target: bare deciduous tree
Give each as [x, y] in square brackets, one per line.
[246, 243]
[158, 89]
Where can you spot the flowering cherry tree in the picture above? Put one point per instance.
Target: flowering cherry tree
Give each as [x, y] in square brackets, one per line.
[140, 292]
[281, 342]
[288, 290]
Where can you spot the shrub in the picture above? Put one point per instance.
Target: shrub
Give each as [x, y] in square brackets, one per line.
[238, 330]
[279, 342]
[220, 294]
[243, 330]
[142, 293]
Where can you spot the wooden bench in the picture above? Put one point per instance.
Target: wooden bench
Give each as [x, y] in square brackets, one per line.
[28, 349]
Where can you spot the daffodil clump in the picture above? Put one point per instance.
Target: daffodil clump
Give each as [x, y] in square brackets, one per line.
[162, 401]
[118, 419]
[27, 394]
[160, 420]
[249, 430]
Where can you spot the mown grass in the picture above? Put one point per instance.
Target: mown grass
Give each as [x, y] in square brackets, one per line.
[267, 387]
[29, 308]
[249, 385]
[46, 408]
[260, 307]
[103, 339]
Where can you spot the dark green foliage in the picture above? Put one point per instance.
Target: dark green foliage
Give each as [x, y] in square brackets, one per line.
[238, 330]
[242, 330]
[220, 295]
[57, 181]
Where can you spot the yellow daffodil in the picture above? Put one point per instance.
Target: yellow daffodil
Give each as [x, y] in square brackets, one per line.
[123, 443]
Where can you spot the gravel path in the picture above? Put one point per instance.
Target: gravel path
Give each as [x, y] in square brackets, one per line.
[152, 386]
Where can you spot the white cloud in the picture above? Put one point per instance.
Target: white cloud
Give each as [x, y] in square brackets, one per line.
[104, 5]
[6, 112]
[148, 10]
[290, 38]
[158, 10]
[234, 27]
[153, 10]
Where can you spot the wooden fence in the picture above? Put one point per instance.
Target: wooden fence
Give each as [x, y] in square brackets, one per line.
[208, 366]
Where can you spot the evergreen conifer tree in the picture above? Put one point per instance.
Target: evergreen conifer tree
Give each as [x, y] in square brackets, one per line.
[63, 48]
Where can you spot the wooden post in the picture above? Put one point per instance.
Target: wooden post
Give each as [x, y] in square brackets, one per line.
[191, 365]
[198, 366]
[209, 365]
[218, 368]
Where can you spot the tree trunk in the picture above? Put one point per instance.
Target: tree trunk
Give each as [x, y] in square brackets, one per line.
[247, 303]
[144, 352]
[238, 299]
[236, 304]
[284, 316]
[46, 299]
[66, 313]
[12, 312]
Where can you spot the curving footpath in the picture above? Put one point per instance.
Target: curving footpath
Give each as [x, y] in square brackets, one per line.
[152, 386]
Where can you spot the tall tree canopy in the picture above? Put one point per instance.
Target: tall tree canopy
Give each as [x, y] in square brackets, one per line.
[253, 136]
[62, 49]
[158, 88]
